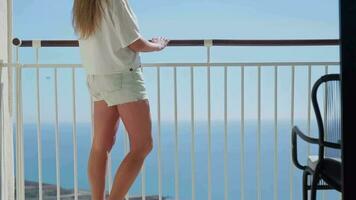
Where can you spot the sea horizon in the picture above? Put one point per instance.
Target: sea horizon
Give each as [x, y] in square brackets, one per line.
[184, 160]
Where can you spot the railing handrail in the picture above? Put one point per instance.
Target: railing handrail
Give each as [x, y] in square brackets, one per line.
[184, 64]
[207, 42]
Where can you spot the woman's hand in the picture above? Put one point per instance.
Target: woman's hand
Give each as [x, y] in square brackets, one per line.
[142, 45]
[161, 41]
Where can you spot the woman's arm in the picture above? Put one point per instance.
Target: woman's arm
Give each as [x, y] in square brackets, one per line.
[142, 45]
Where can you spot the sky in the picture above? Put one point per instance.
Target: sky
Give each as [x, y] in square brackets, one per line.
[187, 19]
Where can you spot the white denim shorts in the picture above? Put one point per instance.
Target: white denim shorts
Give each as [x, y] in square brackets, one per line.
[117, 88]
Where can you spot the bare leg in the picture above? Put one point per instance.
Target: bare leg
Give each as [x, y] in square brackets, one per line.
[137, 120]
[106, 121]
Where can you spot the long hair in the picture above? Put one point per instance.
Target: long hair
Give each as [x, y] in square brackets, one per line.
[87, 16]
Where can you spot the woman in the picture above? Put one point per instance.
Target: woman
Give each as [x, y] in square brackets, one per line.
[110, 42]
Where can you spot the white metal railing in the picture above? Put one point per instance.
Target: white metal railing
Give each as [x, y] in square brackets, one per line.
[1, 133]
[275, 179]
[242, 66]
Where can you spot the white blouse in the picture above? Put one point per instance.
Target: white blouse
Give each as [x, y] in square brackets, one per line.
[107, 51]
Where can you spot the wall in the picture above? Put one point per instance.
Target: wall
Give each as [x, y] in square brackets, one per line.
[7, 168]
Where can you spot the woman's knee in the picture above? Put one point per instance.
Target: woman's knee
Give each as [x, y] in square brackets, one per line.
[149, 147]
[142, 151]
[103, 145]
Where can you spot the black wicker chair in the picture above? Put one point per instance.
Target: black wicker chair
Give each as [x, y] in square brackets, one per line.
[323, 171]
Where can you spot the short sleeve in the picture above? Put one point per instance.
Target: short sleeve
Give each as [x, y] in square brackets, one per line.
[125, 23]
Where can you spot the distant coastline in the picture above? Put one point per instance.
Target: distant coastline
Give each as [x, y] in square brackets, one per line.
[50, 192]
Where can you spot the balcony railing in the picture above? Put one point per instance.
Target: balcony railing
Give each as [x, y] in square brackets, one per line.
[278, 128]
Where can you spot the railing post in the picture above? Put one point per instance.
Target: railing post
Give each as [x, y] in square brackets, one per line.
[309, 107]
[6, 139]
[9, 52]
[74, 137]
[20, 179]
[1, 133]
[259, 119]
[242, 135]
[226, 173]
[208, 44]
[37, 45]
[192, 114]
[57, 136]
[275, 120]
[159, 133]
[292, 118]
[176, 155]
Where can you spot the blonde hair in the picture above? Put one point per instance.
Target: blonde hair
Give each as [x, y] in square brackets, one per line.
[87, 16]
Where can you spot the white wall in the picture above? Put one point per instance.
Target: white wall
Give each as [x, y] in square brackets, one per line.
[3, 30]
[7, 168]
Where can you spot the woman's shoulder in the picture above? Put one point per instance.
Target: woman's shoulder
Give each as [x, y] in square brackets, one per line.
[122, 10]
[117, 5]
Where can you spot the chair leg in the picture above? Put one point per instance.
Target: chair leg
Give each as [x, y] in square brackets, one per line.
[314, 185]
[305, 185]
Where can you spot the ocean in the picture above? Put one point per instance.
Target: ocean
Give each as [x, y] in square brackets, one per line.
[184, 162]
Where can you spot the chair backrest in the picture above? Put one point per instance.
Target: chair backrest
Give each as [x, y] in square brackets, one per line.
[326, 99]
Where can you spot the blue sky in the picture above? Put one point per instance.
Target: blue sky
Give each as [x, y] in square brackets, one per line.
[183, 19]
[194, 18]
